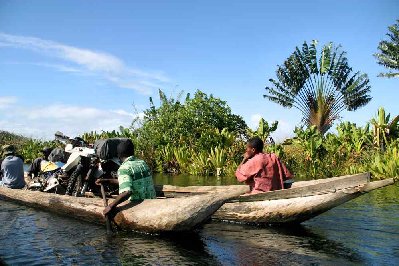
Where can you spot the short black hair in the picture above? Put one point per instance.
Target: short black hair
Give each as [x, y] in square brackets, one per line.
[46, 151]
[256, 143]
[125, 149]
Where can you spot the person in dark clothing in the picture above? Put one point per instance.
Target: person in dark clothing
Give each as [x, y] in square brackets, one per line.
[35, 167]
[12, 168]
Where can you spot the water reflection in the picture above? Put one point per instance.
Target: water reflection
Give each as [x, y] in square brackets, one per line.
[363, 231]
[245, 245]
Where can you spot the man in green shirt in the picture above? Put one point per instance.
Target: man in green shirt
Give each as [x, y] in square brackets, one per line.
[134, 178]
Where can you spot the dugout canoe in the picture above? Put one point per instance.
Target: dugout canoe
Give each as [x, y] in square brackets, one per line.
[305, 200]
[159, 215]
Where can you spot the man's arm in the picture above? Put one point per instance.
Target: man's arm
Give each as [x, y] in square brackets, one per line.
[121, 198]
[247, 169]
[109, 181]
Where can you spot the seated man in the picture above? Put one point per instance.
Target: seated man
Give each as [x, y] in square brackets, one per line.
[35, 167]
[134, 178]
[12, 168]
[261, 171]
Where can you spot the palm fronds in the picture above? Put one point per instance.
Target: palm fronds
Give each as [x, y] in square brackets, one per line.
[320, 88]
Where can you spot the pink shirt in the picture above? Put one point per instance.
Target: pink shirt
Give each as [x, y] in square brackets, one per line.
[263, 172]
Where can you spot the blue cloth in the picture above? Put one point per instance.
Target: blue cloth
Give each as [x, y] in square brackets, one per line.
[12, 168]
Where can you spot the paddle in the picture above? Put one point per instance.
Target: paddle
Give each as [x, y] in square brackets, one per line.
[107, 220]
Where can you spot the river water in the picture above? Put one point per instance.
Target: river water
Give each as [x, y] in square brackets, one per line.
[363, 231]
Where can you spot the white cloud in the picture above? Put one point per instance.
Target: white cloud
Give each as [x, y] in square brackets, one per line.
[43, 122]
[7, 101]
[284, 130]
[105, 65]
[254, 121]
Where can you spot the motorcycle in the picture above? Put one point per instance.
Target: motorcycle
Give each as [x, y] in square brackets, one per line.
[49, 171]
[87, 163]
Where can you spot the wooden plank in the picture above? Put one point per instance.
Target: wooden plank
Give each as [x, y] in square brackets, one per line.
[376, 184]
[305, 191]
[190, 189]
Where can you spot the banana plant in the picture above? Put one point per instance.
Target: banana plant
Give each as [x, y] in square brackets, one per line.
[311, 141]
[353, 138]
[383, 128]
[264, 129]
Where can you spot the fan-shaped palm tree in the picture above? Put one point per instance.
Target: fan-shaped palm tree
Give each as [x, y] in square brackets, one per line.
[388, 55]
[320, 88]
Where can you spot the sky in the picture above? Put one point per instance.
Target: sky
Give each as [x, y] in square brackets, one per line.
[77, 66]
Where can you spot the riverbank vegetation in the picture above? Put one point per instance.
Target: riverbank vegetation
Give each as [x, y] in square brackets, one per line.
[170, 139]
[27, 148]
[176, 137]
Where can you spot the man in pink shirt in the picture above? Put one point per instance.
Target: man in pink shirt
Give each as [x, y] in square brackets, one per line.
[261, 171]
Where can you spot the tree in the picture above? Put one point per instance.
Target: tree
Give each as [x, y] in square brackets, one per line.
[321, 88]
[196, 122]
[388, 55]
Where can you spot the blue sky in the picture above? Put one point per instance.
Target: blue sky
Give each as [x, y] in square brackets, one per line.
[77, 66]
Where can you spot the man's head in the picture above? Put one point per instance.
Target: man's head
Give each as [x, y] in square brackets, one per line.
[8, 150]
[254, 146]
[125, 149]
[46, 152]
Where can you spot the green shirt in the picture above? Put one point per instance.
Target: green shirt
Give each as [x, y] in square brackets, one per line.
[134, 175]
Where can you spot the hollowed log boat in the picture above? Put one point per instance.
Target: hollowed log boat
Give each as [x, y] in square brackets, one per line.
[152, 216]
[303, 201]
[184, 208]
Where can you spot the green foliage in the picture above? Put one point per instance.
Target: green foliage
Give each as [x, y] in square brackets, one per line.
[193, 128]
[386, 165]
[310, 140]
[182, 155]
[28, 148]
[319, 88]
[198, 122]
[165, 161]
[264, 130]
[353, 138]
[349, 151]
[218, 158]
[200, 164]
[123, 132]
[388, 55]
[7, 138]
[277, 149]
[383, 129]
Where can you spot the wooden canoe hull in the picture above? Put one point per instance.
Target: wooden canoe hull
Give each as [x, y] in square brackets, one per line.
[152, 216]
[292, 210]
[305, 200]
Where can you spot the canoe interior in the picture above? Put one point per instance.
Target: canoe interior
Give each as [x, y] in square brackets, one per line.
[299, 189]
[310, 188]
